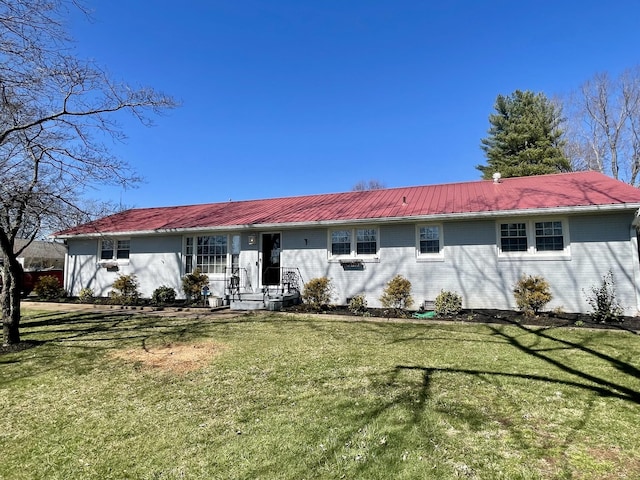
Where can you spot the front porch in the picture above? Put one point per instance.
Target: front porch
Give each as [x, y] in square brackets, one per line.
[239, 294]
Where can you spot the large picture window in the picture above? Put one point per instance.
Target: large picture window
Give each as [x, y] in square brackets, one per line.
[353, 242]
[533, 237]
[206, 253]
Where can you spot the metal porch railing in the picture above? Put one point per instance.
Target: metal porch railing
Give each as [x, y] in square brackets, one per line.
[236, 282]
[290, 279]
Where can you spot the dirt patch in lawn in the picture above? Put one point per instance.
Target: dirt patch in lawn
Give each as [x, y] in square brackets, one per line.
[176, 358]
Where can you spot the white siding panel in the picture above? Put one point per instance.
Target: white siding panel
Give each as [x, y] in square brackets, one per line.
[81, 268]
[307, 251]
[155, 261]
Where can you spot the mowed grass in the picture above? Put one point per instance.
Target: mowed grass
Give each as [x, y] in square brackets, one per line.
[285, 397]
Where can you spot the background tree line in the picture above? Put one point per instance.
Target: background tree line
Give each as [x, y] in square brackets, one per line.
[597, 127]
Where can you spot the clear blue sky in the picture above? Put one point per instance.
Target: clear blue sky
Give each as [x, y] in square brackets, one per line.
[294, 97]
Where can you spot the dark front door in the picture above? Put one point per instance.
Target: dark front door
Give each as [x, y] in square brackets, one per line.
[271, 259]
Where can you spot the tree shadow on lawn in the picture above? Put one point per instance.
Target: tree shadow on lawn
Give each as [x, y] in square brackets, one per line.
[414, 395]
[121, 327]
[604, 387]
[477, 419]
[42, 327]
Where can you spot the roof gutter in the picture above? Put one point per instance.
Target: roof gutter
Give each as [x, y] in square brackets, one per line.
[375, 220]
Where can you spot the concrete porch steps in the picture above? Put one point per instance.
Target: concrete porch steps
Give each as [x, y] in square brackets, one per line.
[261, 301]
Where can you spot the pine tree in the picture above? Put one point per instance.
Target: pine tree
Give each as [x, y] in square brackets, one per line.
[524, 138]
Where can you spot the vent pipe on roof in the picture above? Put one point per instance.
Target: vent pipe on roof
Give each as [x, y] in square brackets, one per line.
[496, 177]
[404, 200]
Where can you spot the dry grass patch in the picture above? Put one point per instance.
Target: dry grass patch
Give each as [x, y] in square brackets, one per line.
[173, 357]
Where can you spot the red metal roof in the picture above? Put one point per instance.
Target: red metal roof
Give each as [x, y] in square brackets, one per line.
[560, 191]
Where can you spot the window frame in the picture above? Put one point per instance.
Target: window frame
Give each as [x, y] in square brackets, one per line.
[190, 242]
[437, 256]
[356, 243]
[117, 246]
[533, 251]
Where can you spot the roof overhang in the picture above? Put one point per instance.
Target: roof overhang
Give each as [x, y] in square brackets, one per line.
[590, 209]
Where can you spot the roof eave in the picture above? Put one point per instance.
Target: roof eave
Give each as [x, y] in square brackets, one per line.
[374, 220]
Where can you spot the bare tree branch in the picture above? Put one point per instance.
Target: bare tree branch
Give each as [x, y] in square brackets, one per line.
[603, 126]
[56, 110]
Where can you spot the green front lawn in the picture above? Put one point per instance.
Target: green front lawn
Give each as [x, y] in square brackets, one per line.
[268, 396]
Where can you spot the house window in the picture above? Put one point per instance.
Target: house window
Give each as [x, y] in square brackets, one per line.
[429, 239]
[366, 241]
[549, 236]
[533, 237]
[111, 249]
[513, 237]
[341, 242]
[354, 242]
[206, 253]
[122, 249]
[106, 250]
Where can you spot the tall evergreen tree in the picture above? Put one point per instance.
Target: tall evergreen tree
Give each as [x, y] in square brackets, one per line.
[524, 138]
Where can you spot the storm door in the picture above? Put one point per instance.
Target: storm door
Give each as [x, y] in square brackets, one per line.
[271, 259]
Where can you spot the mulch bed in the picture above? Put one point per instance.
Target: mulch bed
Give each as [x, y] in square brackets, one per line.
[506, 317]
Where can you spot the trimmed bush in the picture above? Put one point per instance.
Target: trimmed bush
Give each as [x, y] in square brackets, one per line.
[397, 294]
[605, 307]
[48, 288]
[532, 293]
[358, 305]
[448, 304]
[163, 295]
[192, 284]
[86, 295]
[318, 292]
[125, 290]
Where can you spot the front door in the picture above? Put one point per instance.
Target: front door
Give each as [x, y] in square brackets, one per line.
[271, 259]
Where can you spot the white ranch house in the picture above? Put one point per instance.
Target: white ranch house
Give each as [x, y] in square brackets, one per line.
[474, 238]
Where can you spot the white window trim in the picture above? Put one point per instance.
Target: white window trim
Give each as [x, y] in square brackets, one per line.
[114, 261]
[532, 253]
[430, 257]
[195, 246]
[353, 255]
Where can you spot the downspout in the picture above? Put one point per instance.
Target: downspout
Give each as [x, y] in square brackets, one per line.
[66, 283]
[635, 256]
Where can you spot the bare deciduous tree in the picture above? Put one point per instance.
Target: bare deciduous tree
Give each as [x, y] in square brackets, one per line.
[56, 112]
[370, 185]
[603, 126]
